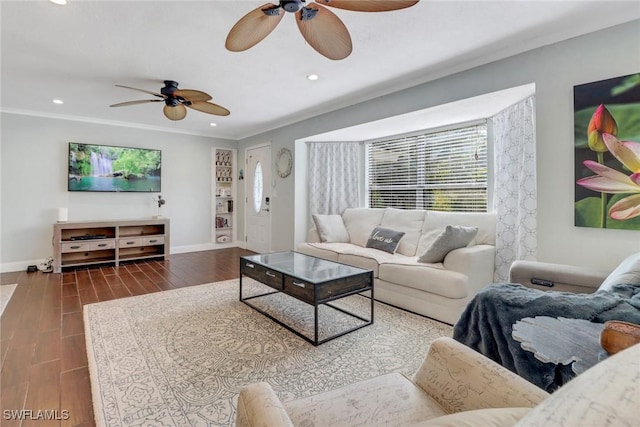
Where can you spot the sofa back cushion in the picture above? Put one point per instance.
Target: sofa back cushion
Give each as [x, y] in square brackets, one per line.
[436, 222]
[410, 222]
[360, 222]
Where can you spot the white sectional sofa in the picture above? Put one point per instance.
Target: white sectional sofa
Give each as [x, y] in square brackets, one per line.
[439, 290]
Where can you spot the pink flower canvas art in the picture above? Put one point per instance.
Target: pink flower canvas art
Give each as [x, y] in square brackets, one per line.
[607, 153]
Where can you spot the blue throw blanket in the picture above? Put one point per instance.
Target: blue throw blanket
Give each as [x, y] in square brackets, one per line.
[486, 323]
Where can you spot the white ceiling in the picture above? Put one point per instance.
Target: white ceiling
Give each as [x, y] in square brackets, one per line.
[78, 52]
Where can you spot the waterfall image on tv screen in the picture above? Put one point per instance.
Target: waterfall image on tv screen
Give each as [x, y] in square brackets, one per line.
[107, 168]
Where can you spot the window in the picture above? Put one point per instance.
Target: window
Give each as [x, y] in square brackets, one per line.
[443, 171]
[257, 188]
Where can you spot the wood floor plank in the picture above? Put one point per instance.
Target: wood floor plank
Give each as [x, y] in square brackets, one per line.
[12, 399]
[75, 386]
[74, 353]
[43, 350]
[72, 324]
[44, 395]
[47, 346]
[71, 304]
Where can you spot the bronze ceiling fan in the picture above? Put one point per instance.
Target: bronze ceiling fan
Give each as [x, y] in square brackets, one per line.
[176, 100]
[320, 27]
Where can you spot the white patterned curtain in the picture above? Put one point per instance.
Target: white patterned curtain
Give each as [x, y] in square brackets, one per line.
[333, 176]
[515, 196]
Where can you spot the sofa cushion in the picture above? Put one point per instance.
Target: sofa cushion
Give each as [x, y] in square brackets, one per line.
[331, 228]
[435, 223]
[432, 278]
[384, 239]
[453, 237]
[491, 417]
[385, 400]
[327, 251]
[367, 258]
[627, 273]
[360, 222]
[411, 222]
[608, 394]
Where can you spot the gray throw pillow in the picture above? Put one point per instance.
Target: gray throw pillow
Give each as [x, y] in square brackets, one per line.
[453, 237]
[331, 228]
[385, 239]
[627, 273]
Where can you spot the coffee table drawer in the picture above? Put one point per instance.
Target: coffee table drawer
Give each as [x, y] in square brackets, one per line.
[262, 274]
[299, 289]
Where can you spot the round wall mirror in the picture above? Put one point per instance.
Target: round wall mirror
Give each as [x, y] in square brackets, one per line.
[284, 162]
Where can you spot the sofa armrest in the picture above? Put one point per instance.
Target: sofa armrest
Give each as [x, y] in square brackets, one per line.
[476, 262]
[556, 277]
[258, 405]
[461, 379]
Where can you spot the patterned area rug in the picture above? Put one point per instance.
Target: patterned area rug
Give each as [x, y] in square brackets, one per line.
[180, 357]
[6, 291]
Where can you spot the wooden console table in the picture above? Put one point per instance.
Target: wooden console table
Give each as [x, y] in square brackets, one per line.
[104, 242]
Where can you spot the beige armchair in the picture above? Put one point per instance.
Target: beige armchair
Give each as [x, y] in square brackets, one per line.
[455, 386]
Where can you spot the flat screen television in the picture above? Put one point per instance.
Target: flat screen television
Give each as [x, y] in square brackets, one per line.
[114, 169]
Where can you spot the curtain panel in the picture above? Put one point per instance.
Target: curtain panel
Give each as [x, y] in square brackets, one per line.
[333, 176]
[515, 193]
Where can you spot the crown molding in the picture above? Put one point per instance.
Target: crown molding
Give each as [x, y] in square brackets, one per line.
[94, 120]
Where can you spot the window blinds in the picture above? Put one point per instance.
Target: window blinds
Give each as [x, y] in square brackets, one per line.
[445, 171]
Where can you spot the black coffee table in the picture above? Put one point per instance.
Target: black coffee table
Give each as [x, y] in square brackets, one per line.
[309, 279]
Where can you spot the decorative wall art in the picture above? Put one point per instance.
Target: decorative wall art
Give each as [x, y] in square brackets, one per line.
[607, 153]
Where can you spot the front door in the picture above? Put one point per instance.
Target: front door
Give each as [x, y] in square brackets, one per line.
[258, 191]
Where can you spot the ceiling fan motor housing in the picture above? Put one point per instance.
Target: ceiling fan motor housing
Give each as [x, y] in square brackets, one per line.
[168, 90]
[291, 5]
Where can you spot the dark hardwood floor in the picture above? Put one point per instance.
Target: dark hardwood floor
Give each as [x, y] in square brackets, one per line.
[42, 345]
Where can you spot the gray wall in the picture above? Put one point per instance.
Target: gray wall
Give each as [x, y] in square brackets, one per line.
[34, 172]
[554, 69]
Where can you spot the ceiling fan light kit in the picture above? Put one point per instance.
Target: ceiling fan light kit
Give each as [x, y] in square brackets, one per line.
[176, 100]
[320, 27]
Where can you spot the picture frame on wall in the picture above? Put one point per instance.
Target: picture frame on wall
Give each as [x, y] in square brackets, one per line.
[607, 153]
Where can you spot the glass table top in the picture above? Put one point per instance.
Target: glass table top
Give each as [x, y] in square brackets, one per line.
[305, 267]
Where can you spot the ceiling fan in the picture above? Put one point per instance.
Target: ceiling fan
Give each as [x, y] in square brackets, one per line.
[176, 100]
[320, 27]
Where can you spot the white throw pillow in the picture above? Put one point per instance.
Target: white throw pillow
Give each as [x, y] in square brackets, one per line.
[331, 228]
[453, 237]
[627, 273]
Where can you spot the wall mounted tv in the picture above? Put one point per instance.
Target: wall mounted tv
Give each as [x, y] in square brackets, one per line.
[115, 169]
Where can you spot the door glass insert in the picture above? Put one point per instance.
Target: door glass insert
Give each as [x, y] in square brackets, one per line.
[257, 188]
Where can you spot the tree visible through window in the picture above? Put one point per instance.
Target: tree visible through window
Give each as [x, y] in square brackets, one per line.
[444, 171]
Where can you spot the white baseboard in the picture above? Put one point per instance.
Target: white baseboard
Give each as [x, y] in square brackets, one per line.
[8, 267]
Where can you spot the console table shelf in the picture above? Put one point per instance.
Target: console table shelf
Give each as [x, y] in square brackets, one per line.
[85, 243]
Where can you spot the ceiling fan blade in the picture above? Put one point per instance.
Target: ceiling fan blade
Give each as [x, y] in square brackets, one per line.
[369, 5]
[209, 107]
[177, 112]
[253, 28]
[326, 33]
[192, 95]
[123, 104]
[145, 91]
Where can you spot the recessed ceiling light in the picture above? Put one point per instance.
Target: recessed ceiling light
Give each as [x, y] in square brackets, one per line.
[313, 77]
[60, 2]
[213, 124]
[58, 101]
